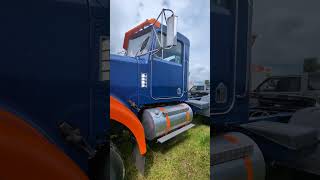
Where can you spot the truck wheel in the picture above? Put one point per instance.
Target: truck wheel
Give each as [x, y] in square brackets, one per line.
[117, 170]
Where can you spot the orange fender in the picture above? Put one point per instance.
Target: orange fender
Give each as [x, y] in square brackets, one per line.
[120, 113]
[27, 154]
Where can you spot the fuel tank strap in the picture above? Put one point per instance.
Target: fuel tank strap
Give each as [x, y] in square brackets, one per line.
[163, 110]
[229, 152]
[247, 161]
[186, 110]
[187, 116]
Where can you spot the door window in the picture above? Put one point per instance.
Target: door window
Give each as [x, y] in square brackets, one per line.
[173, 54]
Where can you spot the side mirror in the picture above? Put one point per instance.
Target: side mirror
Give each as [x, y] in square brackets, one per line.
[172, 31]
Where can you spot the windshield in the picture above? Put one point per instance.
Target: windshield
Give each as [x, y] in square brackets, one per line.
[139, 45]
[285, 84]
[197, 88]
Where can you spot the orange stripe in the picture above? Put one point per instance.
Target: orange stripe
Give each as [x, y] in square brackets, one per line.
[187, 112]
[167, 118]
[168, 123]
[247, 160]
[231, 138]
[187, 116]
[249, 167]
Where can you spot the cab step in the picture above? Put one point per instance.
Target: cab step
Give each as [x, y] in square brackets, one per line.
[174, 133]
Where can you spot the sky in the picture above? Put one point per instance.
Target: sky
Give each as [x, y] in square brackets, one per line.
[288, 31]
[193, 22]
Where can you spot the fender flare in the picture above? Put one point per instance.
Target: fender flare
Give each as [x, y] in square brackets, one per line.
[26, 152]
[120, 113]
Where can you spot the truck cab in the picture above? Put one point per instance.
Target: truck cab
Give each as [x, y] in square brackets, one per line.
[148, 85]
[149, 75]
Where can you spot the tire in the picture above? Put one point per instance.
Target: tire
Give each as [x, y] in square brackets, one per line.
[99, 166]
[117, 170]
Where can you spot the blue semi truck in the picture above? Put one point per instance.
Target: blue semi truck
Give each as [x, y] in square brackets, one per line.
[54, 112]
[54, 95]
[148, 87]
[247, 142]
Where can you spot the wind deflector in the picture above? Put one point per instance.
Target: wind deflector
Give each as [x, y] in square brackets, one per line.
[132, 31]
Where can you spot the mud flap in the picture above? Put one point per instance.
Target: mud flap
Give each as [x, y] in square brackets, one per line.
[139, 160]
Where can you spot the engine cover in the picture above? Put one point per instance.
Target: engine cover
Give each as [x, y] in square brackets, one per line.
[162, 120]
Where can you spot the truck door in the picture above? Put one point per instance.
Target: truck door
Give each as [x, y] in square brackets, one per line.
[167, 72]
[223, 55]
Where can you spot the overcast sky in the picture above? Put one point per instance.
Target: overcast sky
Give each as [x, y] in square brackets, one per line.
[288, 31]
[193, 22]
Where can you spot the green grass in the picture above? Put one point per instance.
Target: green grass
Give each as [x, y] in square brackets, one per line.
[187, 156]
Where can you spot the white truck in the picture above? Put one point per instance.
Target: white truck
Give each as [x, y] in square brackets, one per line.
[307, 85]
[296, 91]
[199, 90]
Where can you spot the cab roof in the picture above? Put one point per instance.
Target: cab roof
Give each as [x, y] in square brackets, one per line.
[131, 32]
[146, 25]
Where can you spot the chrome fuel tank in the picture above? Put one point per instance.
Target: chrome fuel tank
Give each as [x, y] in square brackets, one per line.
[162, 120]
[236, 156]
